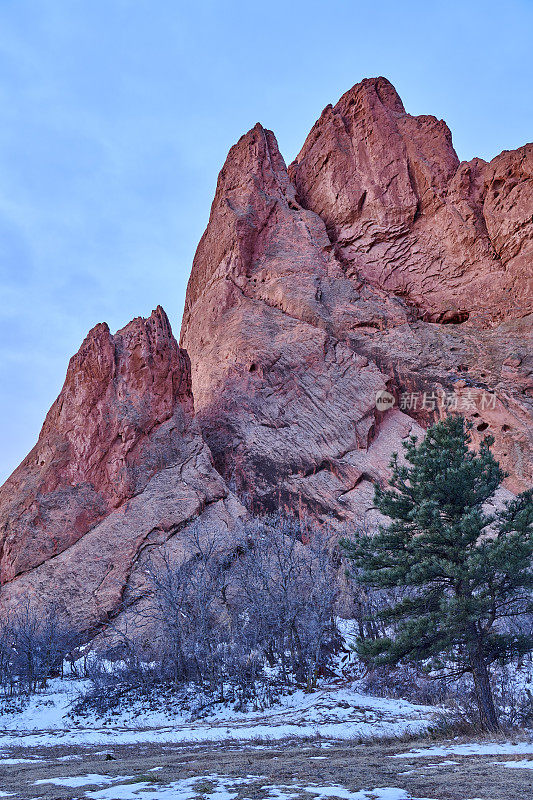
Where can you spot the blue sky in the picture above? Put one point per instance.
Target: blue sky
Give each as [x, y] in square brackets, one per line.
[116, 116]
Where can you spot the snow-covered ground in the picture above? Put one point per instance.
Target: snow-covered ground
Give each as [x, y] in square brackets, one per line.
[331, 712]
[338, 711]
[216, 787]
[516, 749]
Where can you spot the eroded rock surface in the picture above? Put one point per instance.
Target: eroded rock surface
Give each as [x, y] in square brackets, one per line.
[284, 399]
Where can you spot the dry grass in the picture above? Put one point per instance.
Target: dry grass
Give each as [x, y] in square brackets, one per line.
[355, 766]
[451, 726]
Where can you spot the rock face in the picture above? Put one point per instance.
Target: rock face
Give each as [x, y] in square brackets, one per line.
[120, 466]
[376, 261]
[285, 401]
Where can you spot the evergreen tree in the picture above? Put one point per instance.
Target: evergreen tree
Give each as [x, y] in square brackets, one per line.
[466, 573]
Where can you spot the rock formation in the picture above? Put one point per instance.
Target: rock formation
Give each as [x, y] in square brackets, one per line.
[285, 402]
[376, 263]
[120, 467]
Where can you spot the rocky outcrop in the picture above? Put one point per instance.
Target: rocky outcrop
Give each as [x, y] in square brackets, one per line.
[377, 261]
[455, 240]
[120, 467]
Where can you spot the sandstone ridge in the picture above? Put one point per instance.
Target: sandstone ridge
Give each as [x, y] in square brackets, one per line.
[375, 261]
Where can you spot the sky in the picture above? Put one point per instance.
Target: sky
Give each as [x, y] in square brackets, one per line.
[117, 115]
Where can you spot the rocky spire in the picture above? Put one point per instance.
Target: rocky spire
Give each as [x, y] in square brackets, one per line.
[119, 463]
[405, 215]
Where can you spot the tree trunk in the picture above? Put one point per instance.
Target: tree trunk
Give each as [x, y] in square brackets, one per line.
[485, 700]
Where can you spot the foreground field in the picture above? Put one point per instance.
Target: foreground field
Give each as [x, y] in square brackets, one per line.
[372, 771]
[336, 742]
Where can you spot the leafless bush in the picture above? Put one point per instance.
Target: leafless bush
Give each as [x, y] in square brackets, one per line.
[33, 645]
[457, 721]
[269, 597]
[286, 596]
[187, 609]
[407, 682]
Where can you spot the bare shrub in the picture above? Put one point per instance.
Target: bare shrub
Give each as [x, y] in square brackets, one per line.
[33, 645]
[267, 598]
[287, 590]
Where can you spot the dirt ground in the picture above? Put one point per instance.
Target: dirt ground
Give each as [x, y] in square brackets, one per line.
[354, 766]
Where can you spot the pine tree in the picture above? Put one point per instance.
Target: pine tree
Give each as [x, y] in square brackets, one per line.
[466, 573]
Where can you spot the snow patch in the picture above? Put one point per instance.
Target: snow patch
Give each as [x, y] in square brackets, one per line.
[471, 749]
[85, 780]
[331, 712]
[223, 789]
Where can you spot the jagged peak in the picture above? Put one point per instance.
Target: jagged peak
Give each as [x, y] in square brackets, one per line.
[253, 179]
[379, 87]
[158, 319]
[254, 157]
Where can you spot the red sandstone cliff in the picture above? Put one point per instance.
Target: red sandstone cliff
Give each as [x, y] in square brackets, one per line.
[285, 402]
[454, 239]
